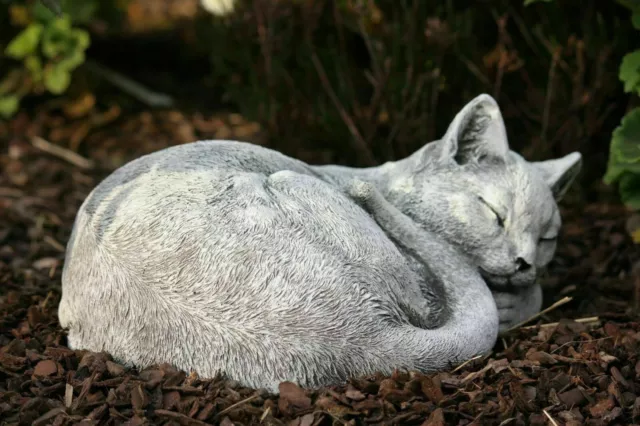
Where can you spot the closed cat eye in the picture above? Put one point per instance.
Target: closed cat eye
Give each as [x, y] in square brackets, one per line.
[498, 215]
[550, 239]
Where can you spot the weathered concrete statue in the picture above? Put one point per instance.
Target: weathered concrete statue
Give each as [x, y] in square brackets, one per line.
[225, 257]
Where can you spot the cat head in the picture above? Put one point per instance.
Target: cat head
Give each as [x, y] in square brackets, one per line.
[485, 199]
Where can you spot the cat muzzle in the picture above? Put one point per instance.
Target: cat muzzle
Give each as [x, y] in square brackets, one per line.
[511, 281]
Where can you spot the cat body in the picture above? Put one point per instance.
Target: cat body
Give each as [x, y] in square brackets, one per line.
[223, 257]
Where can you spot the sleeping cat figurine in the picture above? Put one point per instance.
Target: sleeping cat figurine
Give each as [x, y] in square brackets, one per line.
[231, 259]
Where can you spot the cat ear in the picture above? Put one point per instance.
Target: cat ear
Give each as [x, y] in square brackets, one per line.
[560, 173]
[476, 132]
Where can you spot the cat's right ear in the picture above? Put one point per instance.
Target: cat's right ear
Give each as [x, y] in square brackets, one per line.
[560, 173]
[476, 133]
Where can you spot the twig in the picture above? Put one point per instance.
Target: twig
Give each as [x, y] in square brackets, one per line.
[477, 374]
[467, 362]
[379, 83]
[553, 422]
[367, 41]
[179, 417]
[337, 419]
[473, 69]
[237, 404]
[409, 104]
[86, 385]
[265, 414]
[343, 54]
[524, 31]
[262, 15]
[547, 44]
[581, 342]
[435, 92]
[68, 395]
[133, 88]
[9, 373]
[553, 324]
[53, 243]
[502, 61]
[60, 152]
[11, 192]
[547, 101]
[360, 144]
[539, 314]
[46, 301]
[507, 421]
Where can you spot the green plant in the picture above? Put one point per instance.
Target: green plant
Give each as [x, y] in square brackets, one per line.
[624, 155]
[49, 48]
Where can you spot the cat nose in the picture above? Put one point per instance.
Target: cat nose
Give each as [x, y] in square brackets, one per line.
[522, 265]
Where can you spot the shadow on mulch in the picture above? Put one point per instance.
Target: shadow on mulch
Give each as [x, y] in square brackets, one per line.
[580, 371]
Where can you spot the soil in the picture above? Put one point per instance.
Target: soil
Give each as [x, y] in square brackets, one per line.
[585, 369]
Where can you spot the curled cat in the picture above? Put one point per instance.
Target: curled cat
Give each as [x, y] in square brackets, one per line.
[231, 259]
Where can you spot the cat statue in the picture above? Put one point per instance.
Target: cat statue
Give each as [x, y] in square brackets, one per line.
[227, 258]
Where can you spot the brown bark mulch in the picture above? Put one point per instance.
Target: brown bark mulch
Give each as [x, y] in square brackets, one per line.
[582, 370]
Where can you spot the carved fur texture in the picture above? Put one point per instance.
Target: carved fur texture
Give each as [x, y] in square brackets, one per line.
[231, 259]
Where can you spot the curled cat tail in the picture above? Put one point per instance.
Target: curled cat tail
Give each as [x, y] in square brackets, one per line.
[471, 325]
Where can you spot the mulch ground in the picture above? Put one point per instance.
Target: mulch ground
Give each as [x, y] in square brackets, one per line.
[585, 369]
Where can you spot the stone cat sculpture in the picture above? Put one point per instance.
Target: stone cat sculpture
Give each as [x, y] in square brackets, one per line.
[223, 257]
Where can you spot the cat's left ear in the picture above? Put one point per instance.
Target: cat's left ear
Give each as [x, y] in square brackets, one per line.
[560, 173]
[477, 132]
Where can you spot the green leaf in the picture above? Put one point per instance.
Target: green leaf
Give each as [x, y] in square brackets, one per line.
[52, 47]
[630, 190]
[60, 39]
[62, 23]
[25, 42]
[629, 72]
[83, 40]
[635, 19]
[71, 61]
[34, 65]
[9, 105]
[41, 13]
[57, 79]
[624, 152]
[55, 39]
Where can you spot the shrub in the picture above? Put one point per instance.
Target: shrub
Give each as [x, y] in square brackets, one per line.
[624, 155]
[47, 50]
[376, 79]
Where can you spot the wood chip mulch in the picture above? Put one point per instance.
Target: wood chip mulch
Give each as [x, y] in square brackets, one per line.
[584, 372]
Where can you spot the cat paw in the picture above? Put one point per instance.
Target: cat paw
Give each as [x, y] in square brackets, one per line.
[361, 191]
[518, 305]
[508, 319]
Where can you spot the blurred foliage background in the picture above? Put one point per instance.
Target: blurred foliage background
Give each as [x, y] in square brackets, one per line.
[356, 82]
